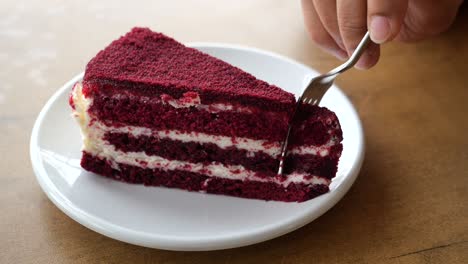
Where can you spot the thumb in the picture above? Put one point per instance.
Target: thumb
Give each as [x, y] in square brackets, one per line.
[384, 19]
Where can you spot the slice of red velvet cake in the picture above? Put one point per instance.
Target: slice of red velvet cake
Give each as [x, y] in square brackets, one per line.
[153, 111]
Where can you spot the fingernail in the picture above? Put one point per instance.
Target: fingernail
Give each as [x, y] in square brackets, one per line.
[379, 29]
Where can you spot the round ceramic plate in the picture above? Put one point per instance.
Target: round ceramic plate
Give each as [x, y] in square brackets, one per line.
[175, 219]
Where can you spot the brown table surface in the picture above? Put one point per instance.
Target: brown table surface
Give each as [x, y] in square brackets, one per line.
[408, 205]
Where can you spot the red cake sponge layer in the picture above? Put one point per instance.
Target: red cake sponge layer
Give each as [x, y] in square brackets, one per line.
[196, 182]
[153, 63]
[130, 110]
[315, 165]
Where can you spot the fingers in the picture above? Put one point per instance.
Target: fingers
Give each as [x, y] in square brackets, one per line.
[384, 18]
[326, 11]
[318, 32]
[352, 23]
[338, 26]
[427, 18]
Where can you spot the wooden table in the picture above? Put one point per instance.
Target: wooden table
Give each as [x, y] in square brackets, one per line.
[409, 204]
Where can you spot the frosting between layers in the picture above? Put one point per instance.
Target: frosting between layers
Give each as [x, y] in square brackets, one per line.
[252, 145]
[223, 142]
[323, 150]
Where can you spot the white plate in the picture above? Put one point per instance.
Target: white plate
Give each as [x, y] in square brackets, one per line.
[175, 219]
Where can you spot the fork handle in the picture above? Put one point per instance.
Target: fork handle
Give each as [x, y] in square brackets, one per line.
[354, 57]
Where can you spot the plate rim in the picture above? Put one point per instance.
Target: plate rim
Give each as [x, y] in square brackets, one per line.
[188, 243]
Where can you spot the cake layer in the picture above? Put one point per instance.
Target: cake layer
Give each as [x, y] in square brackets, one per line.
[154, 113]
[153, 64]
[197, 182]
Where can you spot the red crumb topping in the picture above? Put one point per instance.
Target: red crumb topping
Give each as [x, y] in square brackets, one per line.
[166, 98]
[71, 102]
[192, 95]
[268, 145]
[153, 63]
[70, 98]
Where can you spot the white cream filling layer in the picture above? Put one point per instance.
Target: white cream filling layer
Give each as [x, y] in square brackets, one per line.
[223, 142]
[233, 172]
[323, 150]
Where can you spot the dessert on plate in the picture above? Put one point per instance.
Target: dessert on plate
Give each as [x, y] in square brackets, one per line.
[156, 112]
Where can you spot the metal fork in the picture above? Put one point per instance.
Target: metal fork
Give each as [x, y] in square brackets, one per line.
[318, 86]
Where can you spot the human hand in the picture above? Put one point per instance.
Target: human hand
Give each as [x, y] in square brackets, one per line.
[337, 26]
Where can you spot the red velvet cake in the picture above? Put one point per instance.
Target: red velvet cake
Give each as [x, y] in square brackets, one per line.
[155, 112]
